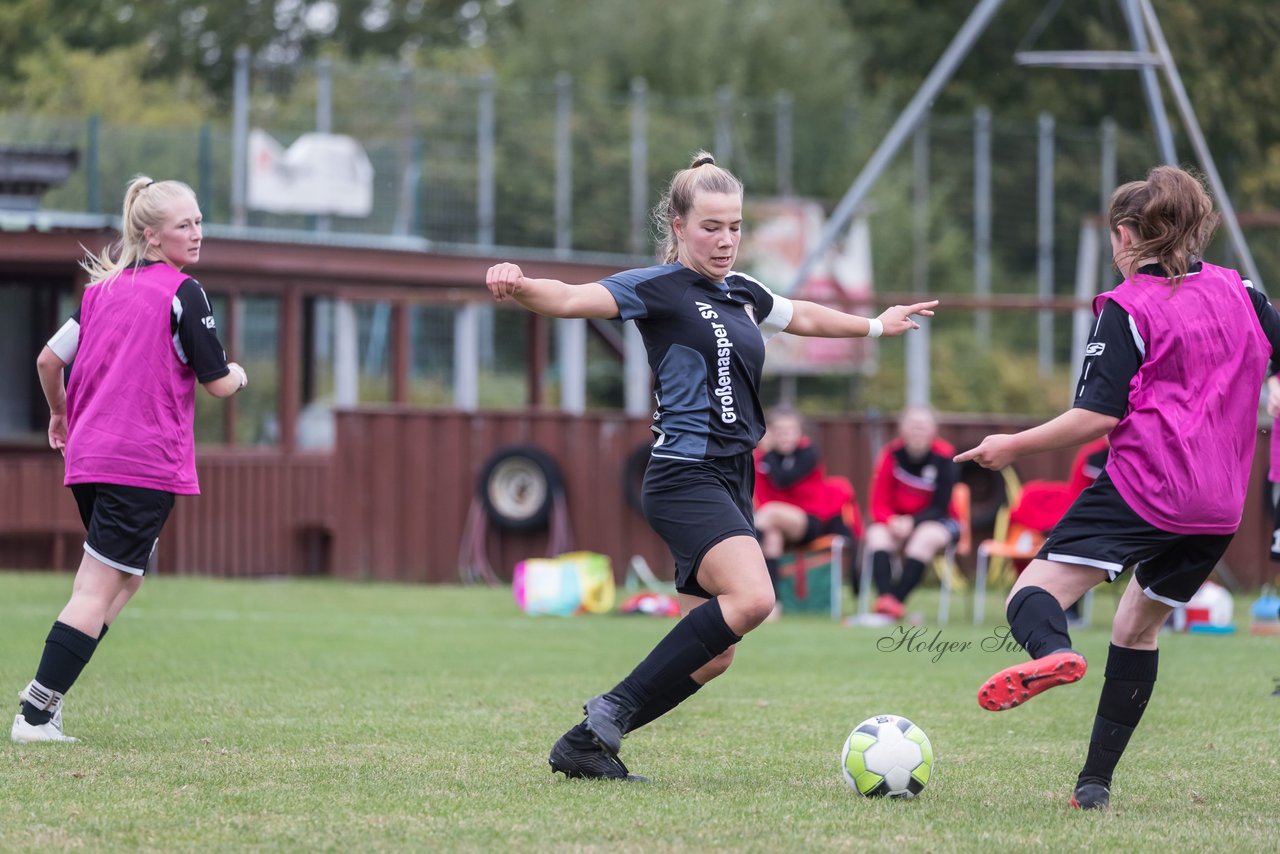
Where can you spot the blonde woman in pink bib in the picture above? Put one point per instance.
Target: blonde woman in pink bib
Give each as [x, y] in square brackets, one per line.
[144, 337]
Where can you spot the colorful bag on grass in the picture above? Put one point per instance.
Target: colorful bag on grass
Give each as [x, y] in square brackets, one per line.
[573, 583]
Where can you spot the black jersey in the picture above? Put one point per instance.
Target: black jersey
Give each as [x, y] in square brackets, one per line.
[1115, 351]
[705, 343]
[191, 322]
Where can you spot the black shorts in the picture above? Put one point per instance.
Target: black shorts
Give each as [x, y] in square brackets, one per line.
[693, 505]
[1273, 496]
[122, 523]
[819, 527]
[1100, 530]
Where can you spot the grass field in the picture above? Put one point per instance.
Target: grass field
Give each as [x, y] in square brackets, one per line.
[311, 715]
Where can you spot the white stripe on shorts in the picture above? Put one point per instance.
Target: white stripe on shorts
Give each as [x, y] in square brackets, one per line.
[1172, 603]
[112, 563]
[1112, 569]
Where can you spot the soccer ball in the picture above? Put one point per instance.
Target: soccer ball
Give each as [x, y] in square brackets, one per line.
[887, 755]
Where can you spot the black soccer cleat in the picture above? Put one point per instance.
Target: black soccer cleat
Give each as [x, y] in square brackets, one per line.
[1091, 796]
[593, 763]
[607, 721]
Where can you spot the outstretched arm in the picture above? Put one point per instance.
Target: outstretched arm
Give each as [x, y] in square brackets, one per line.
[1073, 427]
[550, 296]
[817, 321]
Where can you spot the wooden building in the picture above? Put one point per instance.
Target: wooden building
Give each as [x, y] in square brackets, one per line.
[387, 495]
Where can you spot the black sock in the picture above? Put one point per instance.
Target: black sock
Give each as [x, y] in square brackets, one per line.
[1037, 621]
[882, 571]
[66, 652]
[700, 636]
[664, 702]
[102, 634]
[1130, 679]
[912, 572]
[771, 564]
[580, 737]
[851, 565]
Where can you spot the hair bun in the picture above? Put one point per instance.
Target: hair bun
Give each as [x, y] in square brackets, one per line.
[703, 160]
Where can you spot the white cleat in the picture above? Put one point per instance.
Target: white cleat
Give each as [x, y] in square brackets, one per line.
[25, 733]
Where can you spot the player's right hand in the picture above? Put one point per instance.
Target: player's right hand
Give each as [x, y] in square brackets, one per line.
[58, 433]
[504, 280]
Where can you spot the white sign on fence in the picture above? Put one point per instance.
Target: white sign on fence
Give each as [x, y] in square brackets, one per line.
[320, 173]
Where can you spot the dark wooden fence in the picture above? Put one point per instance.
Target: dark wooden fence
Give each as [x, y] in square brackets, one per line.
[260, 513]
[392, 499]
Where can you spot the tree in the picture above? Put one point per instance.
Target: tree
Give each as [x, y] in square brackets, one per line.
[200, 36]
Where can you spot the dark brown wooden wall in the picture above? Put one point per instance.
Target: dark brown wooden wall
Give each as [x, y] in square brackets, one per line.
[391, 501]
[261, 513]
[406, 479]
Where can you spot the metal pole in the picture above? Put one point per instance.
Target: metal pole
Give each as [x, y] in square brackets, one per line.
[240, 138]
[324, 117]
[785, 144]
[724, 126]
[1107, 187]
[1150, 85]
[906, 121]
[204, 169]
[639, 167]
[407, 164]
[1044, 241]
[92, 178]
[1201, 147]
[571, 334]
[485, 188]
[917, 344]
[346, 356]
[564, 164]
[1086, 286]
[466, 357]
[982, 222]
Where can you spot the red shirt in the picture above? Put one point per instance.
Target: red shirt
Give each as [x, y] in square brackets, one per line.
[814, 492]
[901, 486]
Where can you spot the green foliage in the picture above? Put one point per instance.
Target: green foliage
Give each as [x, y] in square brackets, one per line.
[56, 80]
[756, 47]
[319, 715]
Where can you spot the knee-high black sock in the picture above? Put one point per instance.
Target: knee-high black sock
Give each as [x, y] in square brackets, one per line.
[664, 702]
[581, 737]
[1037, 621]
[66, 652]
[1130, 679]
[912, 572]
[882, 572]
[699, 637]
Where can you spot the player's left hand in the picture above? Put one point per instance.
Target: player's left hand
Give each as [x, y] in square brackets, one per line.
[897, 319]
[994, 452]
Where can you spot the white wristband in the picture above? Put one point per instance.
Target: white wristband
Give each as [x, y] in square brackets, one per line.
[875, 328]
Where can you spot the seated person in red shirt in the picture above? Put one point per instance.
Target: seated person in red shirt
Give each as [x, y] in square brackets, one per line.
[910, 507]
[796, 502]
[1087, 465]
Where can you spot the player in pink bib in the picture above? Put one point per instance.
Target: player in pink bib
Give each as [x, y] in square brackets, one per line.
[143, 338]
[1173, 373]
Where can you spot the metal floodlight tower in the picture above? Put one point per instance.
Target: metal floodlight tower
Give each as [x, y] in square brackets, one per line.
[1150, 52]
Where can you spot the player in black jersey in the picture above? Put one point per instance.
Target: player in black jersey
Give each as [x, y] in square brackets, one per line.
[704, 327]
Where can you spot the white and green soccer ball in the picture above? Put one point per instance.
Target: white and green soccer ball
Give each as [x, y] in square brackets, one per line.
[888, 756]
